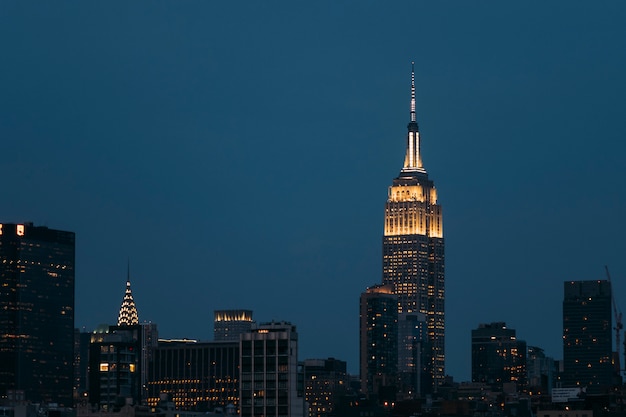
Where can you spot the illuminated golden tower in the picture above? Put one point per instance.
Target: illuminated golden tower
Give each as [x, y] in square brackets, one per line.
[413, 252]
[128, 311]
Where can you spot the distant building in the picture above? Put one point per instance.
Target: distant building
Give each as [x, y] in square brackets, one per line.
[197, 376]
[498, 357]
[37, 313]
[379, 342]
[115, 367]
[82, 339]
[413, 355]
[325, 380]
[587, 331]
[413, 247]
[270, 384]
[541, 371]
[119, 358]
[228, 325]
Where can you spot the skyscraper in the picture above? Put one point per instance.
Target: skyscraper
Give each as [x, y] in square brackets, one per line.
[37, 312]
[379, 342]
[228, 325]
[498, 357]
[587, 343]
[413, 246]
[269, 372]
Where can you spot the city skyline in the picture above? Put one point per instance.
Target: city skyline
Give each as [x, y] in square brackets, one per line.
[227, 165]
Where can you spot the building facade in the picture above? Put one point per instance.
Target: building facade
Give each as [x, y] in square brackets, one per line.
[325, 380]
[271, 382]
[413, 246]
[498, 357]
[115, 367]
[228, 325]
[37, 313]
[541, 371]
[120, 357]
[413, 353]
[197, 376]
[587, 331]
[378, 334]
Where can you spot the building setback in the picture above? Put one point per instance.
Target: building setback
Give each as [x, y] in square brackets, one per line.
[413, 247]
[587, 331]
[36, 313]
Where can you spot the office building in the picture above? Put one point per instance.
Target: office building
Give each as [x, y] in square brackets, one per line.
[270, 377]
[325, 381]
[498, 357]
[36, 313]
[378, 332]
[587, 331]
[120, 356]
[413, 353]
[197, 376]
[541, 371]
[413, 246]
[228, 325]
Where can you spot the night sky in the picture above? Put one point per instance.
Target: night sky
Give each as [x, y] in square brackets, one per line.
[239, 154]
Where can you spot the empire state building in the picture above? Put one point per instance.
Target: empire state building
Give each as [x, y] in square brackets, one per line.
[413, 262]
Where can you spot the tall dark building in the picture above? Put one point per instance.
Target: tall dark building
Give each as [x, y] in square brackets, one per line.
[587, 343]
[325, 380]
[379, 342]
[498, 357]
[37, 313]
[413, 246]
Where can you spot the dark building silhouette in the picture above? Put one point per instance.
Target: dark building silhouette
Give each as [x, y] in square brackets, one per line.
[82, 341]
[37, 313]
[325, 381]
[197, 376]
[228, 325]
[413, 354]
[115, 367]
[119, 358]
[587, 331]
[413, 247]
[271, 382]
[541, 371]
[498, 357]
[379, 342]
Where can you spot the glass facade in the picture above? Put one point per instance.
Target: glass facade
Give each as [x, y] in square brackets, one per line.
[379, 342]
[587, 332]
[37, 313]
[497, 356]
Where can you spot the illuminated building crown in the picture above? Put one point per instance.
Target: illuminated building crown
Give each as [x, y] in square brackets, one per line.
[128, 311]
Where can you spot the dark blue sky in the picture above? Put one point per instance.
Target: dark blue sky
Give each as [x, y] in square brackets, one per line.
[239, 154]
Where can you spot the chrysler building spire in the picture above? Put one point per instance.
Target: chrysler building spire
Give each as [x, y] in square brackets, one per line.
[413, 159]
[128, 311]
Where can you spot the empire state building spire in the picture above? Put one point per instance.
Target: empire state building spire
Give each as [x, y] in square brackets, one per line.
[128, 311]
[413, 159]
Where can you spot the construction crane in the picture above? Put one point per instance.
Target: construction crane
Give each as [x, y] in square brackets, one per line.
[618, 323]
